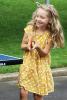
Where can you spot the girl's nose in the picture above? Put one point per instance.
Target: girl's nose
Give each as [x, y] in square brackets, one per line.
[38, 19]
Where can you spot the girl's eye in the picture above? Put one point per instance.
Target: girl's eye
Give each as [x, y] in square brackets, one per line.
[41, 17]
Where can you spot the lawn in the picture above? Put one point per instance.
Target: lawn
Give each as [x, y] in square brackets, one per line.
[14, 14]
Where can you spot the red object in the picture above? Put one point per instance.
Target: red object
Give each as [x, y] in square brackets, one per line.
[30, 42]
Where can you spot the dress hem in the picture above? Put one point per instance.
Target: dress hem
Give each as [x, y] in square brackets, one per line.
[42, 94]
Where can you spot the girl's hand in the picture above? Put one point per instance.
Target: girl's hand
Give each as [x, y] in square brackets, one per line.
[30, 44]
[29, 48]
[36, 45]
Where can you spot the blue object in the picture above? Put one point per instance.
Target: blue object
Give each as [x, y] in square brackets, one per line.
[9, 60]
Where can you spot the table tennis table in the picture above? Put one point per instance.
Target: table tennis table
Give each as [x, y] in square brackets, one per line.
[9, 60]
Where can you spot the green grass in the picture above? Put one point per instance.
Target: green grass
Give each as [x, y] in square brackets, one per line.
[14, 14]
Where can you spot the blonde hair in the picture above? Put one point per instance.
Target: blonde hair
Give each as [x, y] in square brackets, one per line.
[54, 25]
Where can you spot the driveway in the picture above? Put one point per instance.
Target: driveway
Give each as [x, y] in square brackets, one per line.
[9, 90]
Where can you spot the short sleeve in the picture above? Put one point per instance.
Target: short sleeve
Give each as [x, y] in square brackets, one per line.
[28, 29]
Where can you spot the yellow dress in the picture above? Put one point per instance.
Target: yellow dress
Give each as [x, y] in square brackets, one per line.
[35, 73]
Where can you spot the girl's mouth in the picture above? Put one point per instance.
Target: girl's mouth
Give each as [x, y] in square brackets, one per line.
[39, 22]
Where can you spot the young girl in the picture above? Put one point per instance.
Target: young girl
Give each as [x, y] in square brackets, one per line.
[42, 33]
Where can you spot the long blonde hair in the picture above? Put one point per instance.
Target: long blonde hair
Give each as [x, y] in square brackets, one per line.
[54, 26]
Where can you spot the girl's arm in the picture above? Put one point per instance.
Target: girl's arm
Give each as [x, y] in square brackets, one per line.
[24, 44]
[46, 50]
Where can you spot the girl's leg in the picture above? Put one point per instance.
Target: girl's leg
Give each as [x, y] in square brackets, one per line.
[37, 97]
[23, 94]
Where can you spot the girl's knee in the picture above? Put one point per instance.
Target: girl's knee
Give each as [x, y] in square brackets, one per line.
[23, 92]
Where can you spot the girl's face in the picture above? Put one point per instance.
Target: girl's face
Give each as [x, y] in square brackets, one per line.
[41, 19]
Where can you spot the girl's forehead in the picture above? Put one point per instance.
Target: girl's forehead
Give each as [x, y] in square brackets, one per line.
[42, 11]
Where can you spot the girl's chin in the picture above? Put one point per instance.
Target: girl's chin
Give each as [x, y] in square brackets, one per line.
[39, 27]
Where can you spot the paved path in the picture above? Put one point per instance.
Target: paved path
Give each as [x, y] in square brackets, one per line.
[9, 90]
[13, 76]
